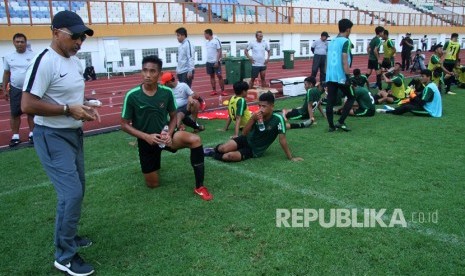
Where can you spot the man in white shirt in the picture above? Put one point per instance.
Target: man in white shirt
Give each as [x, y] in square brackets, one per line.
[213, 65]
[15, 65]
[186, 64]
[258, 58]
[187, 102]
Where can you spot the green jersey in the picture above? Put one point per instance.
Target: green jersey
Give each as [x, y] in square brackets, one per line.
[361, 80]
[259, 141]
[375, 42]
[313, 96]
[148, 113]
[364, 98]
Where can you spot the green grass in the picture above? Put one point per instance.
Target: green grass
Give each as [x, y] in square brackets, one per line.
[407, 162]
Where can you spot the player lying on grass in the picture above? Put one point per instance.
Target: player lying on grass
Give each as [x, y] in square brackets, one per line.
[259, 133]
[312, 101]
[144, 115]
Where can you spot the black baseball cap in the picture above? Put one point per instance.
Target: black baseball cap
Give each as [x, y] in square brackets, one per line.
[325, 34]
[408, 34]
[71, 21]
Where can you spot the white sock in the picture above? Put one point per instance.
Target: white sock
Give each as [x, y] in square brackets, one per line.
[15, 136]
[30, 134]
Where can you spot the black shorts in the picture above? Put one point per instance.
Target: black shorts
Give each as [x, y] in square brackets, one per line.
[296, 114]
[373, 64]
[15, 101]
[256, 70]
[150, 156]
[360, 112]
[210, 67]
[243, 147]
[184, 110]
[387, 63]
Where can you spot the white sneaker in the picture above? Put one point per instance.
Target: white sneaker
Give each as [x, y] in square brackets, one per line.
[380, 110]
[451, 93]
[387, 107]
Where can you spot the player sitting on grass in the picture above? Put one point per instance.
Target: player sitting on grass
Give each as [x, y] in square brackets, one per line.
[427, 102]
[144, 115]
[459, 72]
[311, 103]
[259, 133]
[396, 86]
[187, 102]
[238, 111]
[364, 105]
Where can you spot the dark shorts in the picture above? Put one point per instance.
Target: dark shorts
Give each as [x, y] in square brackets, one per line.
[183, 109]
[243, 147]
[373, 64]
[256, 70]
[183, 78]
[297, 113]
[360, 112]
[210, 67]
[387, 63]
[150, 156]
[15, 101]
[394, 98]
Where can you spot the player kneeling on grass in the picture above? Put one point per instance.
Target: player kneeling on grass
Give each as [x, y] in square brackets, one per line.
[311, 103]
[365, 104]
[259, 133]
[144, 114]
[427, 102]
[238, 112]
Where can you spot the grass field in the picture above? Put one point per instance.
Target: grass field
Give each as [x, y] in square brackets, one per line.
[405, 162]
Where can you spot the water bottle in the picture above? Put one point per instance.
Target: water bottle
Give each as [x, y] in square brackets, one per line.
[220, 100]
[164, 133]
[261, 125]
[93, 92]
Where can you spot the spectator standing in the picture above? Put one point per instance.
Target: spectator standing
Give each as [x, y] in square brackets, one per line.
[15, 65]
[213, 65]
[259, 59]
[424, 43]
[406, 54]
[320, 49]
[186, 65]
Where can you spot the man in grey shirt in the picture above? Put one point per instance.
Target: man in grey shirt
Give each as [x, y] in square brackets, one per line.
[258, 59]
[319, 49]
[185, 68]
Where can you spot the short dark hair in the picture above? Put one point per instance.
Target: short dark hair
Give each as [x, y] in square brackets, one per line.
[427, 73]
[181, 31]
[357, 72]
[379, 29]
[208, 31]
[398, 63]
[311, 80]
[153, 59]
[267, 97]
[18, 35]
[344, 24]
[454, 35]
[386, 32]
[240, 86]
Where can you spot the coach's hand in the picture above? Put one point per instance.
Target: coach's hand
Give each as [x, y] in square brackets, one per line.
[82, 112]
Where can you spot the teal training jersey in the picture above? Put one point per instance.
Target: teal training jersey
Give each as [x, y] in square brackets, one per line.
[364, 98]
[259, 141]
[375, 42]
[148, 113]
[433, 100]
[334, 66]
